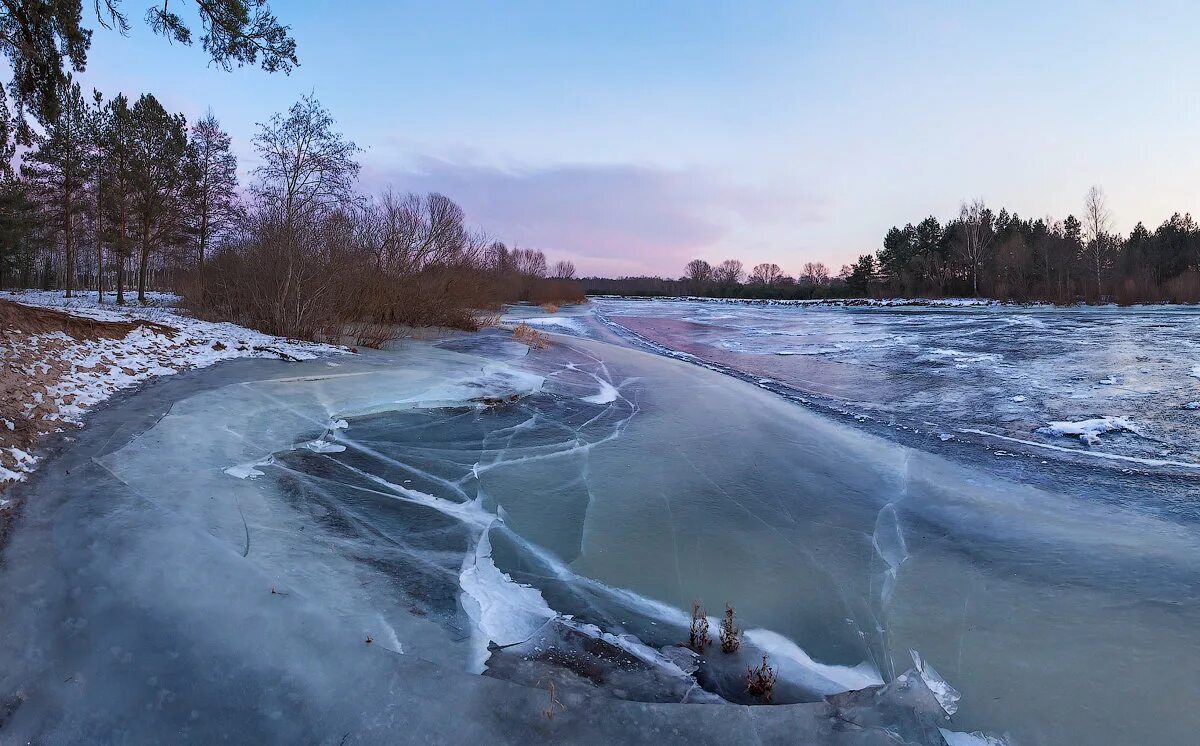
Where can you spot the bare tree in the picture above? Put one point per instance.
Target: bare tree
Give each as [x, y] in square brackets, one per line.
[815, 273]
[307, 166]
[973, 240]
[1098, 246]
[529, 262]
[563, 270]
[698, 273]
[729, 273]
[765, 274]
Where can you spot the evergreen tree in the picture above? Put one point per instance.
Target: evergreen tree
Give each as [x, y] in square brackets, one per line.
[99, 122]
[57, 171]
[118, 160]
[17, 219]
[212, 184]
[44, 40]
[160, 148]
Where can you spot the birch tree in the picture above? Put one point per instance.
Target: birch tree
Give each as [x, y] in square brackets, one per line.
[1097, 244]
[973, 240]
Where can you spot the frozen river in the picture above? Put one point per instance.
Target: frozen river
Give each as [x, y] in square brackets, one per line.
[333, 551]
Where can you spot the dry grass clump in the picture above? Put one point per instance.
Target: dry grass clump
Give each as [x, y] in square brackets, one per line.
[760, 681]
[731, 636]
[698, 638]
[530, 336]
[550, 307]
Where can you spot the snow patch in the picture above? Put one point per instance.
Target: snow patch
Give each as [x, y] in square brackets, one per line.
[1089, 431]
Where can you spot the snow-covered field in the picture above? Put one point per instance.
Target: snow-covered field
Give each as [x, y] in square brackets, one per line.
[66, 377]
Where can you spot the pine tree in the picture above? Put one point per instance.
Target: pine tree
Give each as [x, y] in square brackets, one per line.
[57, 172]
[118, 158]
[99, 122]
[160, 147]
[17, 219]
[212, 189]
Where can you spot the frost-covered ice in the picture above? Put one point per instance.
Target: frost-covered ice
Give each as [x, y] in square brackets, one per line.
[483, 515]
[486, 515]
[932, 368]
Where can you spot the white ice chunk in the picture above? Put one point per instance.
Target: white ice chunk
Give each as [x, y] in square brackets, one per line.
[796, 665]
[246, 471]
[947, 696]
[504, 611]
[1089, 431]
[324, 446]
[607, 394]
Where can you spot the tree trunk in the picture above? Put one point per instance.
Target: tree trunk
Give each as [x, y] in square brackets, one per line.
[69, 240]
[143, 264]
[99, 241]
[121, 252]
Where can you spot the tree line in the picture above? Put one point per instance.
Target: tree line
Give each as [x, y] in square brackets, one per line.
[978, 253]
[109, 194]
[1004, 256]
[115, 193]
[728, 279]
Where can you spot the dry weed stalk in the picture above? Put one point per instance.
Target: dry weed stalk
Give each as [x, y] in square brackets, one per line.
[698, 638]
[731, 636]
[553, 705]
[530, 336]
[760, 681]
[550, 307]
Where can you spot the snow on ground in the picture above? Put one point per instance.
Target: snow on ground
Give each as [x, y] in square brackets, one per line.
[1089, 431]
[63, 377]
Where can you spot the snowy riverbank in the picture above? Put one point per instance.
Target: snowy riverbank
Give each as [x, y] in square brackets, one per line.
[52, 378]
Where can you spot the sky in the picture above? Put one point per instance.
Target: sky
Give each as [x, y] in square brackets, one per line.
[631, 137]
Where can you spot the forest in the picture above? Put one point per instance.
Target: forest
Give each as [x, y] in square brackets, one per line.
[118, 197]
[978, 253]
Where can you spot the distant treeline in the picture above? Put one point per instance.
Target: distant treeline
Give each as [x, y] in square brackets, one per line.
[978, 253]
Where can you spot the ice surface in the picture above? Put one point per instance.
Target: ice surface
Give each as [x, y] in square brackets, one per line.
[916, 367]
[480, 496]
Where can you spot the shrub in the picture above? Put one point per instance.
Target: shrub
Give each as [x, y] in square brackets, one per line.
[731, 636]
[530, 336]
[760, 681]
[698, 638]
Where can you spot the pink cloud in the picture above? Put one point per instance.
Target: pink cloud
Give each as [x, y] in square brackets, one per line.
[609, 220]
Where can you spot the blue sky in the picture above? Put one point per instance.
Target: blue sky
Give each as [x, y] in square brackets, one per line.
[633, 136]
